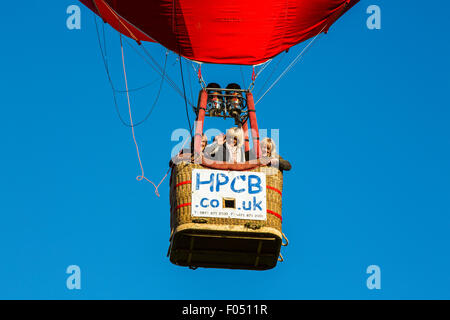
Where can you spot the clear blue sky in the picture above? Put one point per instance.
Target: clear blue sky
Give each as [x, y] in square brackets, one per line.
[364, 120]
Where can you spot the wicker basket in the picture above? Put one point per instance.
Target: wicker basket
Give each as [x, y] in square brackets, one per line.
[224, 242]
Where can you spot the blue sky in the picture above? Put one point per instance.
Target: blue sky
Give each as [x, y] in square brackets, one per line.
[363, 119]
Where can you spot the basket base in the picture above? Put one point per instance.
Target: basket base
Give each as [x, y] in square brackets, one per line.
[215, 246]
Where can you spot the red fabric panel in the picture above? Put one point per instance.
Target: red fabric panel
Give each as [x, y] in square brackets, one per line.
[229, 32]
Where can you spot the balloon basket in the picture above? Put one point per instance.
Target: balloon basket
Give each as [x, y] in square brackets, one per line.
[230, 243]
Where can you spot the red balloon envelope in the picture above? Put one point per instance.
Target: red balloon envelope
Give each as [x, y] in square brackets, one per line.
[247, 32]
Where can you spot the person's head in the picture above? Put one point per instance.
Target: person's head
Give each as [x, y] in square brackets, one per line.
[216, 138]
[204, 141]
[268, 147]
[234, 136]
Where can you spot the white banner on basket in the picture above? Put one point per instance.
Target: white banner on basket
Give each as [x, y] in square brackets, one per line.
[228, 194]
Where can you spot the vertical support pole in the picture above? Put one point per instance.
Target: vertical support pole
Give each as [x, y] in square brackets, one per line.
[253, 123]
[202, 100]
[246, 140]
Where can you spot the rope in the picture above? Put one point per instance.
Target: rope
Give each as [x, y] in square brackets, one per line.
[106, 57]
[199, 75]
[271, 73]
[156, 67]
[109, 75]
[105, 63]
[137, 88]
[289, 67]
[285, 244]
[154, 64]
[263, 67]
[256, 75]
[118, 20]
[142, 176]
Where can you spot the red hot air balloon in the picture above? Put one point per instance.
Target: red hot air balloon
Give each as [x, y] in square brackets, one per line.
[245, 32]
[235, 228]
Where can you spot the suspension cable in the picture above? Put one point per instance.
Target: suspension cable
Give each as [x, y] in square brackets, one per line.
[105, 54]
[105, 62]
[293, 63]
[185, 100]
[157, 67]
[271, 73]
[255, 75]
[201, 80]
[263, 67]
